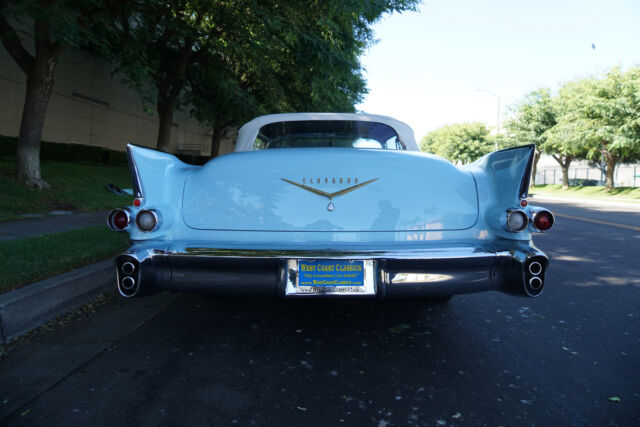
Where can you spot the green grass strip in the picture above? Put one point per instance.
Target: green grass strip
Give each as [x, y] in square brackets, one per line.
[35, 258]
[74, 187]
[588, 192]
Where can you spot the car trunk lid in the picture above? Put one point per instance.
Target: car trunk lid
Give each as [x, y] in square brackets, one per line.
[331, 190]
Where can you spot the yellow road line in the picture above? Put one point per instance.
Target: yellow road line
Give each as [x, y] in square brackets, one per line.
[597, 221]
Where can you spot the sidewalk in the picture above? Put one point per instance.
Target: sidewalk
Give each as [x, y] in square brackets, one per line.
[12, 230]
[30, 306]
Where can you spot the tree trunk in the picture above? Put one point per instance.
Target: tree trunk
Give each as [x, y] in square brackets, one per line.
[216, 138]
[534, 169]
[39, 86]
[565, 177]
[39, 70]
[165, 123]
[169, 87]
[611, 167]
[564, 164]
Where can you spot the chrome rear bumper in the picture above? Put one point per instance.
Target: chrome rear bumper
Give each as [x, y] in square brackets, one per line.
[406, 273]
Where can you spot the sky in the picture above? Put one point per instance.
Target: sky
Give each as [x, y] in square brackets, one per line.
[451, 61]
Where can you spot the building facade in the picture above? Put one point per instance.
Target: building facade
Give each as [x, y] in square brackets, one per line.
[91, 106]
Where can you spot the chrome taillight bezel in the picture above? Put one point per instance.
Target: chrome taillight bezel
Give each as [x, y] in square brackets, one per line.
[110, 223]
[525, 222]
[535, 213]
[155, 216]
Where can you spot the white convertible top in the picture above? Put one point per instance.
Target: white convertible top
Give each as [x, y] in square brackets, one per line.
[248, 133]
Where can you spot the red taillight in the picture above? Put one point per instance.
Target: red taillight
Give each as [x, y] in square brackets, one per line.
[118, 220]
[523, 203]
[543, 220]
[137, 202]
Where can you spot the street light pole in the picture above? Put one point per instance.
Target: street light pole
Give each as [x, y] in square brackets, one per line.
[498, 117]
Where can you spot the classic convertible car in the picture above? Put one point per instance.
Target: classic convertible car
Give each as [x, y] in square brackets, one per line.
[320, 204]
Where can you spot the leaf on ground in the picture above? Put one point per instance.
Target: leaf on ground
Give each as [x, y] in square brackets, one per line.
[614, 399]
[399, 328]
[301, 408]
[568, 350]
[25, 412]
[456, 415]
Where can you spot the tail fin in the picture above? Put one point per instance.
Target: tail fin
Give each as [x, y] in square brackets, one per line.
[154, 174]
[508, 171]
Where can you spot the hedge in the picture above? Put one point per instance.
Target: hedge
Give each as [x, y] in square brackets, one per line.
[76, 153]
[79, 153]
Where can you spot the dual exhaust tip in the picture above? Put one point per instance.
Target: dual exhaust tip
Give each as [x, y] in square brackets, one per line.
[128, 277]
[534, 277]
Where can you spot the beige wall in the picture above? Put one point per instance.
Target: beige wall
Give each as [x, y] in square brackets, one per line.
[116, 117]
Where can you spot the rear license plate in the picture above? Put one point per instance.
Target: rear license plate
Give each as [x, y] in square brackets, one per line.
[330, 273]
[330, 276]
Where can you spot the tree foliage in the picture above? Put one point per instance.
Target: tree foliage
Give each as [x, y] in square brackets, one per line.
[600, 117]
[460, 143]
[532, 119]
[590, 118]
[227, 59]
[232, 58]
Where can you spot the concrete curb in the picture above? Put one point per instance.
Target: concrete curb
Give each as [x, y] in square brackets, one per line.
[24, 309]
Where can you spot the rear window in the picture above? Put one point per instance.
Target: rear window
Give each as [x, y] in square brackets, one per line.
[328, 133]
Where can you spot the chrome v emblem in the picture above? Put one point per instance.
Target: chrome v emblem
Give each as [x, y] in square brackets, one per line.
[330, 196]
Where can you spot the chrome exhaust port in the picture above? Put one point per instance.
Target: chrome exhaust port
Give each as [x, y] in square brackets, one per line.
[535, 283]
[535, 268]
[128, 283]
[128, 268]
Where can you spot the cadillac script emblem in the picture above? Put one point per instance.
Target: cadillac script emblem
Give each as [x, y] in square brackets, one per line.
[330, 196]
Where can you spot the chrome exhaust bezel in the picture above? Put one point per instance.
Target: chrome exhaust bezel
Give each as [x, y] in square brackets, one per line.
[536, 287]
[124, 268]
[130, 287]
[539, 267]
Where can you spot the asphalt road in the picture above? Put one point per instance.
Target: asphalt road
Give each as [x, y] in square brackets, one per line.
[569, 357]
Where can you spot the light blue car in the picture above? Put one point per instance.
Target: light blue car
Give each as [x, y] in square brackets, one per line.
[331, 204]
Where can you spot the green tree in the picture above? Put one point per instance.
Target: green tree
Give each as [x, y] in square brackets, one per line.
[35, 33]
[601, 117]
[309, 49]
[532, 118]
[154, 43]
[221, 98]
[464, 142]
[564, 144]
